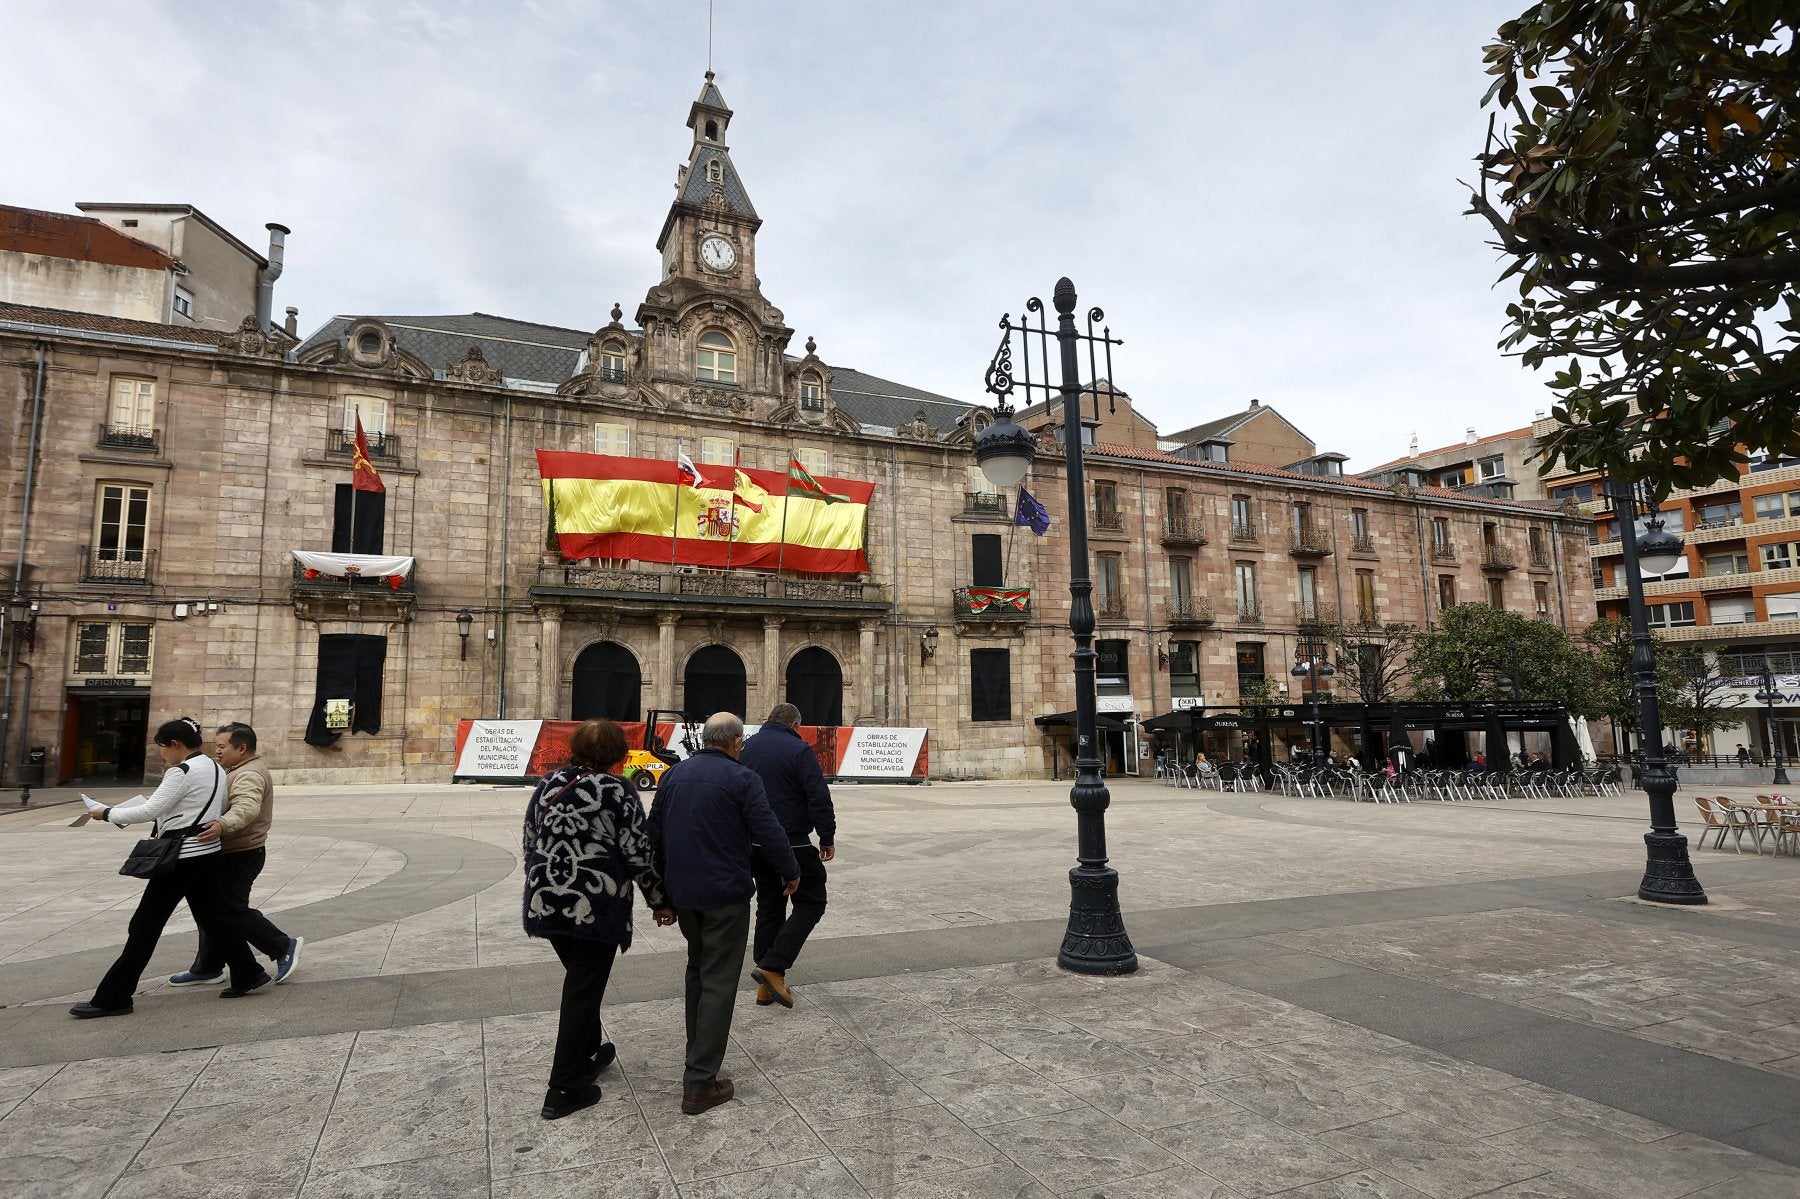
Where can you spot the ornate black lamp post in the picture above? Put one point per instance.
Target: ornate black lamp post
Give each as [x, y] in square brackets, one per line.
[1768, 695]
[1096, 941]
[1668, 874]
[1312, 669]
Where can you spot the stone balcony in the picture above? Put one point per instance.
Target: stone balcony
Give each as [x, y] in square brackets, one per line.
[1499, 557]
[1309, 543]
[995, 605]
[688, 588]
[1182, 529]
[1190, 613]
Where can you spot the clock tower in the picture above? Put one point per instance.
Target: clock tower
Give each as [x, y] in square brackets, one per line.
[710, 232]
[708, 333]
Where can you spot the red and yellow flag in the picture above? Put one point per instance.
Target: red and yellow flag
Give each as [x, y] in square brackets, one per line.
[604, 506]
[362, 472]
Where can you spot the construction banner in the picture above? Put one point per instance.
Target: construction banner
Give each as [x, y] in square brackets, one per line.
[648, 510]
[519, 750]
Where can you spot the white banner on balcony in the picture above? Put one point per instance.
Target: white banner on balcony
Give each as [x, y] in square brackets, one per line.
[353, 566]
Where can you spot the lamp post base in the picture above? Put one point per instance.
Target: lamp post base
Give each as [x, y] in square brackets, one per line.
[1096, 941]
[1781, 778]
[1668, 875]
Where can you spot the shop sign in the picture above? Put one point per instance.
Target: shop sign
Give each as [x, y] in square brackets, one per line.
[109, 684]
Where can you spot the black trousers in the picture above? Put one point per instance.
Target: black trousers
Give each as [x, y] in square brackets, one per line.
[586, 967]
[199, 881]
[780, 932]
[715, 941]
[237, 874]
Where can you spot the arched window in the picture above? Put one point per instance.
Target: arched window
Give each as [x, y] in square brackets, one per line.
[715, 359]
[608, 684]
[369, 342]
[612, 362]
[815, 685]
[812, 393]
[713, 682]
[715, 171]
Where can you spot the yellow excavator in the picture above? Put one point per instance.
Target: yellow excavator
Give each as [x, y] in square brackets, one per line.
[645, 765]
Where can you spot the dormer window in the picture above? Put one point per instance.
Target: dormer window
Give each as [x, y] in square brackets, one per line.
[812, 393]
[612, 362]
[369, 343]
[715, 358]
[715, 170]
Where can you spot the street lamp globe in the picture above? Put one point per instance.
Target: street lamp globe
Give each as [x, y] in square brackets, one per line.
[1301, 670]
[1326, 670]
[1004, 451]
[1658, 549]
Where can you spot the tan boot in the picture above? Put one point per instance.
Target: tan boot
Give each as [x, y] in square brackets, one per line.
[776, 982]
[764, 996]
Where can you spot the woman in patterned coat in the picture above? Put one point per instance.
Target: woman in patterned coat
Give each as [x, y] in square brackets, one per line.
[584, 846]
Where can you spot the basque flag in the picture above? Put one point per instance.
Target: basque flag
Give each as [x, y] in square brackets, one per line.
[1031, 514]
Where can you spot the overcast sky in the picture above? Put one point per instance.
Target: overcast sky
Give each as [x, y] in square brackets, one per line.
[1262, 197]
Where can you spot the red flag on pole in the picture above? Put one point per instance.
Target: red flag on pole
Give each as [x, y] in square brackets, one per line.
[362, 471]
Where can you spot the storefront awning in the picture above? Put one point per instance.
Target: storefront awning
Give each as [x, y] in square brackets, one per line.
[1184, 721]
[1102, 721]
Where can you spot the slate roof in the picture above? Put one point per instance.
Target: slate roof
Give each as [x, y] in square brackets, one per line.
[91, 322]
[882, 403]
[518, 349]
[696, 187]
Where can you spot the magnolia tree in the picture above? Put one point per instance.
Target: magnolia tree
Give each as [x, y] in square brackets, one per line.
[1642, 182]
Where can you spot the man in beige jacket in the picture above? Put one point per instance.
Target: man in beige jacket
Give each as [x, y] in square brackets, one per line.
[244, 828]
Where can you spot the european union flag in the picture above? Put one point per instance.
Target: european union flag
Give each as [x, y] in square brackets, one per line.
[1031, 514]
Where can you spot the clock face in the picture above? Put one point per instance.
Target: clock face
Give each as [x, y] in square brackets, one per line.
[717, 253]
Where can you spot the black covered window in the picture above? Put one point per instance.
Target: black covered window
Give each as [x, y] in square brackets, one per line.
[349, 674]
[367, 512]
[987, 570]
[990, 684]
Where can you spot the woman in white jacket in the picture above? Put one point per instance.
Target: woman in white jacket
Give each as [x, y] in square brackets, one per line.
[192, 793]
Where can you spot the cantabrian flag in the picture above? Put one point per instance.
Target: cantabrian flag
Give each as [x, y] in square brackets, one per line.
[604, 506]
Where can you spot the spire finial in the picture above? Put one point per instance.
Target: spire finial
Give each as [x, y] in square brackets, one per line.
[709, 23]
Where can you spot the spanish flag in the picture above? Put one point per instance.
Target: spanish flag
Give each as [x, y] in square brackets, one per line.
[604, 506]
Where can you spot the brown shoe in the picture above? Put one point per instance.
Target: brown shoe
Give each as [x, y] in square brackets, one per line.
[764, 996]
[721, 1091]
[776, 982]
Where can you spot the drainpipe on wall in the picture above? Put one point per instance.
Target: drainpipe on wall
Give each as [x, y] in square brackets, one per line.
[505, 551]
[18, 588]
[265, 278]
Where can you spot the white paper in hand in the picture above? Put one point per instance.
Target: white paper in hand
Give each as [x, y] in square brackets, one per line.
[91, 805]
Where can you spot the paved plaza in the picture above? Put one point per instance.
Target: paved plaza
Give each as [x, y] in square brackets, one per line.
[1335, 1000]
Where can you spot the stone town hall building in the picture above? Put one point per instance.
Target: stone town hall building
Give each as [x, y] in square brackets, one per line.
[176, 466]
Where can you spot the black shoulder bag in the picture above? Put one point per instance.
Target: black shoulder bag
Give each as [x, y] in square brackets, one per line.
[156, 856]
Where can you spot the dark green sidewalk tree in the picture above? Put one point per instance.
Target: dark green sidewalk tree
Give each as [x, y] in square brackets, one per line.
[1643, 186]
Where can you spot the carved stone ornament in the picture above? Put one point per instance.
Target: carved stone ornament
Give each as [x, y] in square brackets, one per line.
[474, 368]
[252, 341]
[918, 428]
[1402, 491]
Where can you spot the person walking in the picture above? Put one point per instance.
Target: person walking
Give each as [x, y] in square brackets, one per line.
[192, 792]
[585, 845]
[241, 833]
[800, 799]
[708, 811]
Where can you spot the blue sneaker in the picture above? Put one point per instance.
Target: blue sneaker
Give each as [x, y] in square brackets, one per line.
[187, 978]
[290, 961]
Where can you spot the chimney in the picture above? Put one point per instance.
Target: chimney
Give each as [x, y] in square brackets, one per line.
[292, 324]
[1256, 403]
[1471, 438]
[1412, 447]
[265, 280]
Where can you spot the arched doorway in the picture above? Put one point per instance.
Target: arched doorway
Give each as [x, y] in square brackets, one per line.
[714, 682]
[815, 685]
[608, 684]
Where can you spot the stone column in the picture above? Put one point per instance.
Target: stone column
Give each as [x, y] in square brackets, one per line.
[664, 684]
[550, 704]
[867, 697]
[771, 688]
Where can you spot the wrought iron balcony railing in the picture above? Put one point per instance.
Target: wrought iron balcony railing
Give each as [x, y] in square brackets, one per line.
[1362, 543]
[365, 585]
[1181, 529]
[1249, 611]
[1540, 558]
[612, 374]
[1244, 533]
[126, 437]
[1314, 612]
[984, 503]
[1187, 612]
[1110, 607]
[383, 447]
[109, 564]
[1011, 604]
[1498, 557]
[1309, 542]
[1443, 551]
[1109, 520]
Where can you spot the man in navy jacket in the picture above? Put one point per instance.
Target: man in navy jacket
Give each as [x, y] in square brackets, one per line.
[708, 812]
[802, 802]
